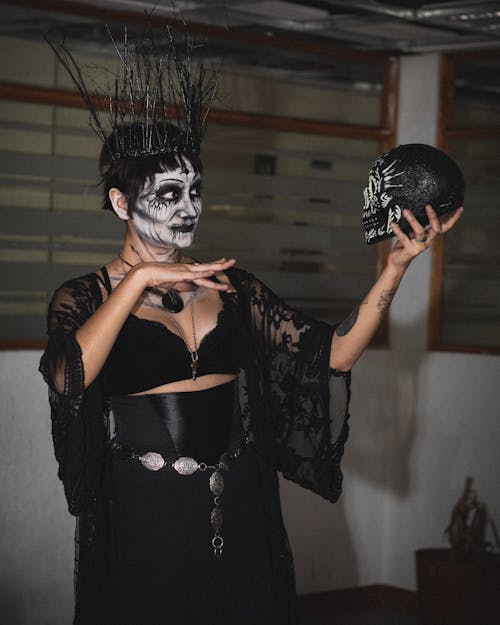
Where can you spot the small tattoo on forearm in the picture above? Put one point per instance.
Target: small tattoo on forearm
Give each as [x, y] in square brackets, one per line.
[346, 326]
[384, 301]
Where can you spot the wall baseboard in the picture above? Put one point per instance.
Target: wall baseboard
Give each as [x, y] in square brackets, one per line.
[379, 596]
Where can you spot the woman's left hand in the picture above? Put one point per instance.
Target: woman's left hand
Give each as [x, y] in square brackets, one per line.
[408, 247]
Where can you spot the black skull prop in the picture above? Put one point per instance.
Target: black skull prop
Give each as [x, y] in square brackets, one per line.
[409, 176]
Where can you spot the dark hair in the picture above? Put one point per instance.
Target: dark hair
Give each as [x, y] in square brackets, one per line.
[129, 174]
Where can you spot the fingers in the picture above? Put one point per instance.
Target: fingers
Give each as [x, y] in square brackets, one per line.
[210, 284]
[411, 246]
[418, 229]
[449, 223]
[180, 275]
[186, 286]
[408, 247]
[217, 265]
[433, 220]
[421, 236]
[436, 226]
[401, 236]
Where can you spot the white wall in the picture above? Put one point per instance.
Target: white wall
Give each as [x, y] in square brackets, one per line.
[420, 423]
[36, 532]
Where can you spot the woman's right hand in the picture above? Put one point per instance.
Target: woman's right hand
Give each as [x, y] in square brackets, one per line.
[181, 275]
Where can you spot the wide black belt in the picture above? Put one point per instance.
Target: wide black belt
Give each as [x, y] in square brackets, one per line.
[202, 424]
[184, 432]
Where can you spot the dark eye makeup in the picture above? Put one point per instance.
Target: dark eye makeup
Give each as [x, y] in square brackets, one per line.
[166, 189]
[196, 189]
[171, 191]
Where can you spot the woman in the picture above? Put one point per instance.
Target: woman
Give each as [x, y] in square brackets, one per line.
[178, 390]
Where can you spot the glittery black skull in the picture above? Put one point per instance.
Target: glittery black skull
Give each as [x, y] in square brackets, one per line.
[409, 176]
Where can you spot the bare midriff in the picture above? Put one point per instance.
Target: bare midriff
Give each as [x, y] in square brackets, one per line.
[202, 383]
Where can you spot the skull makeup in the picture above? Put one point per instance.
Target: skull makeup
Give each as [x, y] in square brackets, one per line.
[167, 209]
[409, 176]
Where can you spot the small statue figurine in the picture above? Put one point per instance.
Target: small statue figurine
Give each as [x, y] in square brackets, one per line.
[467, 528]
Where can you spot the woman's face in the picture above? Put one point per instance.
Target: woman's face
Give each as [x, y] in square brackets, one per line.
[168, 207]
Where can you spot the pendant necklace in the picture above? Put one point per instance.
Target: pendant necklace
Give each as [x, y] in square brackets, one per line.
[194, 353]
[171, 300]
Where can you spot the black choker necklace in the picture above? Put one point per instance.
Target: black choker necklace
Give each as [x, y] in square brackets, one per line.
[171, 300]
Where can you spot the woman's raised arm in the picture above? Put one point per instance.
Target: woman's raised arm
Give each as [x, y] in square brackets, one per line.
[354, 334]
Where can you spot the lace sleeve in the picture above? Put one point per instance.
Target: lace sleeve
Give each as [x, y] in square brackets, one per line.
[280, 327]
[306, 402]
[76, 414]
[61, 365]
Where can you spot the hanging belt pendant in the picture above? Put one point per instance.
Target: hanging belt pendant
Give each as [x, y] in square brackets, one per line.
[216, 519]
[153, 461]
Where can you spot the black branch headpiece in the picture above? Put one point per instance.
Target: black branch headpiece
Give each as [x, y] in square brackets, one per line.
[157, 100]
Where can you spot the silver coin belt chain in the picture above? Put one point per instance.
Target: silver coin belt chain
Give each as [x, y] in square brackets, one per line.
[154, 461]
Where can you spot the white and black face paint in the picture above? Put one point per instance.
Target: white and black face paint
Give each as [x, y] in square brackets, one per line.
[167, 209]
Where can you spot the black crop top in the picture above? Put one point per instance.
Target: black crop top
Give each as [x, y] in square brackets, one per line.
[146, 354]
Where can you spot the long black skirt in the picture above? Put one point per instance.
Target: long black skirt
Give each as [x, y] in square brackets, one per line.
[166, 570]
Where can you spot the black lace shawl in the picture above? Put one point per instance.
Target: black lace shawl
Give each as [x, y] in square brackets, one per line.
[294, 411]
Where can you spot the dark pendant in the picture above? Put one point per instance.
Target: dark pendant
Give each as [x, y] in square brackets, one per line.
[216, 519]
[194, 366]
[172, 301]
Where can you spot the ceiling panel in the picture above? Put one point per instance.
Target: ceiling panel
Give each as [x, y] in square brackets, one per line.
[367, 26]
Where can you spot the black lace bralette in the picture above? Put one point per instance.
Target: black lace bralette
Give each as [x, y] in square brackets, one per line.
[146, 354]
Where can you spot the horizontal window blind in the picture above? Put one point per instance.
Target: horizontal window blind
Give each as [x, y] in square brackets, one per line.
[287, 205]
[297, 225]
[470, 313]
